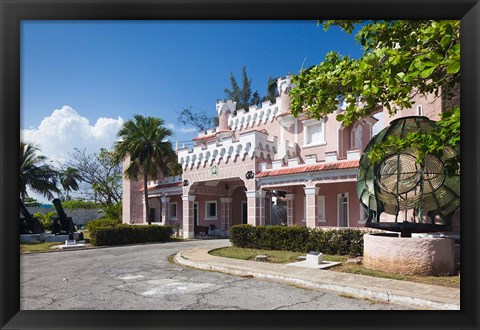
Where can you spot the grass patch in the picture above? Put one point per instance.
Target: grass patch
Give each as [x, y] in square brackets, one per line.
[286, 257]
[452, 281]
[250, 254]
[32, 247]
[273, 255]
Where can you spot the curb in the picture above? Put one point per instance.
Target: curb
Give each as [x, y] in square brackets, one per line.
[364, 293]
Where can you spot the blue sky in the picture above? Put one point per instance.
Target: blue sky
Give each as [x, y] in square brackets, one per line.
[114, 69]
[80, 80]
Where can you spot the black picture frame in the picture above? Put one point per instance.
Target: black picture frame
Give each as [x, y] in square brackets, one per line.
[13, 11]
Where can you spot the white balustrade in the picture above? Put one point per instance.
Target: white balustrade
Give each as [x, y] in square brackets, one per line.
[249, 144]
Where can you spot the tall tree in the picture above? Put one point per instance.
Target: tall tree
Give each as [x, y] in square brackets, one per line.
[198, 120]
[242, 96]
[69, 178]
[272, 90]
[234, 93]
[35, 173]
[144, 140]
[400, 59]
[101, 175]
[256, 99]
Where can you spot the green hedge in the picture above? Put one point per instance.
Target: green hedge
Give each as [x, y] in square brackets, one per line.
[80, 204]
[93, 225]
[342, 241]
[129, 234]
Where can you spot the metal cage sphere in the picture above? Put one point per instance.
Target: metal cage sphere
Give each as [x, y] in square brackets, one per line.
[401, 181]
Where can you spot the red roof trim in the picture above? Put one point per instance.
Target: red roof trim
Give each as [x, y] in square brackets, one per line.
[309, 168]
[204, 137]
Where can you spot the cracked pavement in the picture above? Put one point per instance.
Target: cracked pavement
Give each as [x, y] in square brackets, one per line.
[140, 277]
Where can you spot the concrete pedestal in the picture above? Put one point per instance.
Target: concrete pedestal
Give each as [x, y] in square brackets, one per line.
[29, 238]
[408, 255]
[56, 238]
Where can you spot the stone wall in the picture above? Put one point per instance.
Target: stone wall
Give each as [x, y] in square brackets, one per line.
[409, 255]
[79, 216]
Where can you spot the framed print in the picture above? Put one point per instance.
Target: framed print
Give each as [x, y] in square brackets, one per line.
[15, 13]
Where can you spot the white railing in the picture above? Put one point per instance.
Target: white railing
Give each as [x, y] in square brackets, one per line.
[249, 144]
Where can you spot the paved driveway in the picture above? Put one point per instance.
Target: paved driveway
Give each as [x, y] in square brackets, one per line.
[141, 278]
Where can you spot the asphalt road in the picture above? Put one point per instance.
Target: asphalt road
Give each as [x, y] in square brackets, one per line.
[140, 277]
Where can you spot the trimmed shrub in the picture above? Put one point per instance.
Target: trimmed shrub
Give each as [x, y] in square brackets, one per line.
[128, 234]
[243, 236]
[283, 238]
[93, 225]
[342, 241]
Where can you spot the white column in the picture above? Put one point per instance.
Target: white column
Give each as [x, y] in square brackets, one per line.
[164, 214]
[188, 231]
[252, 207]
[261, 207]
[290, 209]
[312, 207]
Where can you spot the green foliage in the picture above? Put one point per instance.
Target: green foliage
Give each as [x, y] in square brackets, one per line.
[31, 202]
[35, 173]
[401, 59]
[128, 234]
[101, 174]
[243, 97]
[69, 178]
[338, 241]
[79, 204]
[343, 241]
[94, 225]
[145, 141]
[272, 90]
[113, 212]
[198, 120]
[447, 133]
[45, 219]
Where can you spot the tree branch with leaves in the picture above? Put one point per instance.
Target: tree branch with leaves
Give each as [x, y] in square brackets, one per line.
[400, 59]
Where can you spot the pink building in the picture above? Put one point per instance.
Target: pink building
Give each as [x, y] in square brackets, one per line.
[264, 166]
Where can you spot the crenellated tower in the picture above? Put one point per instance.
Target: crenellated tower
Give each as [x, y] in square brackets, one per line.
[224, 109]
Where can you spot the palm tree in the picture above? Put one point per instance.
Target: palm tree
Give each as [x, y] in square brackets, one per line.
[34, 173]
[144, 140]
[69, 179]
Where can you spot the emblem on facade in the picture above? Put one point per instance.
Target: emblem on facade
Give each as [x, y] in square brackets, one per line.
[214, 170]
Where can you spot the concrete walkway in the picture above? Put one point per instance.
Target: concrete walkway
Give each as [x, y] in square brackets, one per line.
[414, 295]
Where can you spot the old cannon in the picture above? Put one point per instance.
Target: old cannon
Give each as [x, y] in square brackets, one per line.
[29, 224]
[62, 224]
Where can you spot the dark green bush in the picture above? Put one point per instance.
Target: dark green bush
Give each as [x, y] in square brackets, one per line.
[93, 225]
[243, 236]
[128, 234]
[342, 241]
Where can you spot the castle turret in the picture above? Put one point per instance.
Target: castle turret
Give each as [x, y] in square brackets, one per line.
[284, 86]
[225, 108]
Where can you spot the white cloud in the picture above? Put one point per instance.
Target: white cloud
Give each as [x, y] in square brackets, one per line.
[188, 129]
[66, 129]
[181, 129]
